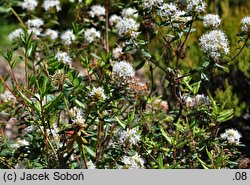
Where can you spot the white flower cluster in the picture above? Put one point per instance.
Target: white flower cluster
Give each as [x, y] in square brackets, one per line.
[49, 4]
[37, 23]
[198, 6]
[130, 135]
[53, 131]
[63, 57]
[172, 13]
[214, 44]
[130, 13]
[34, 26]
[127, 26]
[68, 37]
[98, 93]
[96, 11]
[211, 21]
[19, 143]
[77, 116]
[117, 52]
[123, 71]
[133, 162]
[168, 10]
[91, 165]
[91, 34]
[7, 96]
[245, 24]
[149, 4]
[29, 4]
[16, 34]
[52, 34]
[114, 19]
[198, 100]
[232, 136]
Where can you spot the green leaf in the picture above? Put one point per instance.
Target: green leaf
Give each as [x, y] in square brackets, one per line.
[219, 160]
[222, 67]
[89, 151]
[27, 100]
[160, 161]
[204, 165]
[181, 144]
[196, 87]
[4, 10]
[225, 115]
[204, 77]
[145, 53]
[140, 65]
[122, 124]
[209, 154]
[88, 2]
[80, 104]
[165, 135]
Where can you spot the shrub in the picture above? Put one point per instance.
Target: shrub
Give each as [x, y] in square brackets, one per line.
[98, 95]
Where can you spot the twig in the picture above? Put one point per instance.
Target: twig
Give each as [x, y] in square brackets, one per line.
[241, 49]
[107, 26]
[98, 145]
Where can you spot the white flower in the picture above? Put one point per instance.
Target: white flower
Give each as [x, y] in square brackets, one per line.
[127, 27]
[96, 10]
[14, 35]
[245, 24]
[79, 120]
[77, 116]
[34, 31]
[131, 135]
[35, 23]
[34, 26]
[29, 4]
[98, 93]
[189, 102]
[232, 136]
[173, 14]
[168, 10]
[196, 5]
[149, 4]
[130, 13]
[52, 34]
[201, 99]
[91, 34]
[117, 52]
[198, 100]
[211, 20]
[68, 37]
[133, 162]
[114, 19]
[91, 165]
[48, 4]
[123, 71]
[74, 112]
[20, 142]
[7, 96]
[214, 44]
[54, 133]
[63, 57]
[30, 129]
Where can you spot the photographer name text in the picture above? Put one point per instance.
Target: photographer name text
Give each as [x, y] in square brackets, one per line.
[43, 176]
